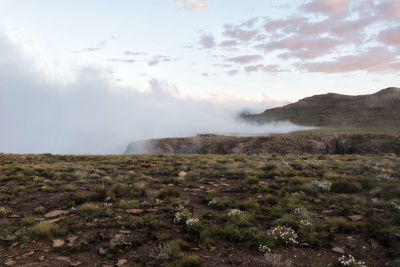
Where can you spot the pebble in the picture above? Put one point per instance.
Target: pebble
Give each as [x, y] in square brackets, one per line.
[355, 218]
[10, 263]
[121, 262]
[135, 211]
[338, 250]
[54, 213]
[57, 243]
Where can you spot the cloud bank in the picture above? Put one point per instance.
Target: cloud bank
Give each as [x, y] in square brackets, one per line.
[93, 116]
[335, 36]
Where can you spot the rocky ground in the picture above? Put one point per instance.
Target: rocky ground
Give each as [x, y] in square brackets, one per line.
[282, 144]
[200, 210]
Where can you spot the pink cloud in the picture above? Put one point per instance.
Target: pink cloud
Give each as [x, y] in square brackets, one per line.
[390, 36]
[246, 59]
[264, 68]
[389, 9]
[372, 60]
[229, 44]
[192, 5]
[301, 46]
[236, 32]
[325, 6]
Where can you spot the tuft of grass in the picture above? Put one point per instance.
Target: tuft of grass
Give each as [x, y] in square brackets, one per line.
[190, 261]
[42, 230]
[167, 193]
[346, 186]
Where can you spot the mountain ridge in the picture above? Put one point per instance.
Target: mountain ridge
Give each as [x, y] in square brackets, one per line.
[337, 110]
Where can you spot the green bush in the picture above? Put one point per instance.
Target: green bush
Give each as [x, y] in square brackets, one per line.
[167, 193]
[346, 186]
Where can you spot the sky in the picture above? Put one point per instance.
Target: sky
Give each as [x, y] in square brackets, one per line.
[87, 76]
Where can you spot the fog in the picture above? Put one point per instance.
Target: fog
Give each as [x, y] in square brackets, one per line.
[91, 115]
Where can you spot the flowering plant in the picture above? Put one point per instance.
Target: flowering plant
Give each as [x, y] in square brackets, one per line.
[283, 234]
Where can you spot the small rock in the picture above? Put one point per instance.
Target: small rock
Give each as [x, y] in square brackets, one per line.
[152, 210]
[135, 211]
[71, 240]
[10, 263]
[338, 250]
[195, 249]
[170, 185]
[355, 218]
[28, 254]
[18, 233]
[61, 258]
[212, 248]
[14, 216]
[75, 263]
[41, 258]
[305, 245]
[57, 243]
[10, 238]
[327, 211]
[317, 200]
[182, 174]
[121, 262]
[54, 213]
[56, 220]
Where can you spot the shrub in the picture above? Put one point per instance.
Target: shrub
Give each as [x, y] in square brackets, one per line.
[190, 261]
[283, 235]
[346, 186]
[344, 226]
[4, 211]
[321, 186]
[42, 230]
[167, 193]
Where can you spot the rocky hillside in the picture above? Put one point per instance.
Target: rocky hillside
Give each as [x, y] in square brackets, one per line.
[381, 109]
[282, 144]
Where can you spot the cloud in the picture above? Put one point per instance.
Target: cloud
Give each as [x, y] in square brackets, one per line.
[325, 6]
[246, 59]
[319, 33]
[390, 36]
[238, 33]
[89, 49]
[192, 5]
[232, 72]
[302, 46]
[374, 59]
[91, 115]
[229, 44]
[207, 41]
[122, 60]
[263, 68]
[132, 53]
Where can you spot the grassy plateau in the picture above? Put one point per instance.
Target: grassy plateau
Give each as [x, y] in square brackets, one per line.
[200, 210]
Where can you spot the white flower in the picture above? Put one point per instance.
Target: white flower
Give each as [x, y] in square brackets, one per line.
[234, 212]
[285, 234]
[192, 221]
[181, 217]
[350, 260]
[212, 202]
[264, 248]
[321, 186]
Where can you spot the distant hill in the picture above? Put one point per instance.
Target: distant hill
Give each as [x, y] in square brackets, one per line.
[282, 144]
[381, 109]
